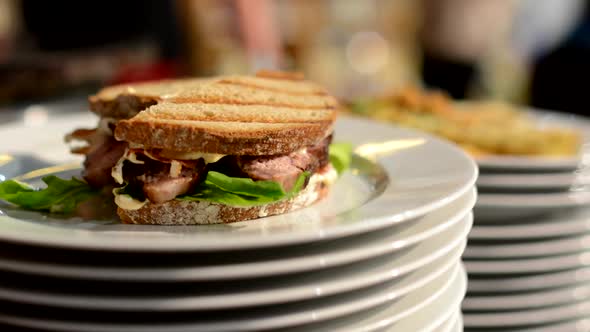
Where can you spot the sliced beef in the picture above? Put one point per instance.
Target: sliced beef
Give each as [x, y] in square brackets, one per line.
[83, 134]
[285, 169]
[279, 169]
[166, 188]
[157, 183]
[100, 158]
[320, 151]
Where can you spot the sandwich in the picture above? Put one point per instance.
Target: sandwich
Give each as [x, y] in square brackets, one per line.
[214, 150]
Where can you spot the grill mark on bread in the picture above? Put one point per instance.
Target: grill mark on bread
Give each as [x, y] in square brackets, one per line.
[232, 112]
[223, 100]
[280, 75]
[268, 88]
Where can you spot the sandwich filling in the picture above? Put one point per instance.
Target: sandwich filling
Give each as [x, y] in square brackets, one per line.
[158, 176]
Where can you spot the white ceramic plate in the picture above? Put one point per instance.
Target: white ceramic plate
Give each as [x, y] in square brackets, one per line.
[532, 283]
[546, 247]
[534, 201]
[459, 326]
[393, 243]
[540, 164]
[513, 319]
[530, 265]
[533, 182]
[278, 290]
[511, 163]
[400, 187]
[450, 324]
[438, 312]
[287, 315]
[453, 324]
[529, 300]
[504, 207]
[576, 221]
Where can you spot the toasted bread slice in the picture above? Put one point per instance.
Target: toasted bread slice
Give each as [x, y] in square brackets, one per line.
[126, 100]
[268, 88]
[226, 129]
[236, 115]
[182, 212]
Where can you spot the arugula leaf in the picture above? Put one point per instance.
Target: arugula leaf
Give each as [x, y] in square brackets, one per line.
[60, 196]
[245, 186]
[340, 156]
[299, 183]
[216, 195]
[227, 190]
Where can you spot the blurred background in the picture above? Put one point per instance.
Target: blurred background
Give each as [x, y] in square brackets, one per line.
[530, 52]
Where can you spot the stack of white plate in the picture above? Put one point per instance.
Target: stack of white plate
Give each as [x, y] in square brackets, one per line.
[528, 256]
[382, 252]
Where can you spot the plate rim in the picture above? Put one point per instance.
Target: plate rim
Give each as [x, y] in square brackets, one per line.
[527, 317]
[536, 299]
[536, 200]
[531, 181]
[526, 265]
[579, 225]
[546, 247]
[572, 277]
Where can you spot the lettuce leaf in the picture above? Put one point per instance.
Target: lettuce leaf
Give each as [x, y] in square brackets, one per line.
[220, 188]
[340, 156]
[244, 186]
[60, 196]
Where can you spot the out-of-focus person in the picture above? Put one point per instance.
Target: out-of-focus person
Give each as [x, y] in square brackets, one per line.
[559, 72]
[523, 51]
[456, 35]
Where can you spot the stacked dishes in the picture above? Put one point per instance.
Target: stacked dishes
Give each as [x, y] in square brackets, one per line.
[380, 253]
[528, 254]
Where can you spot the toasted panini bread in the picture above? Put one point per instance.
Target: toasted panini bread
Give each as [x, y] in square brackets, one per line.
[238, 115]
[125, 101]
[226, 128]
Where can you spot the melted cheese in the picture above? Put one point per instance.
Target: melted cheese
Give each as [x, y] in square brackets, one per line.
[181, 155]
[207, 157]
[127, 202]
[117, 170]
[175, 168]
[329, 176]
